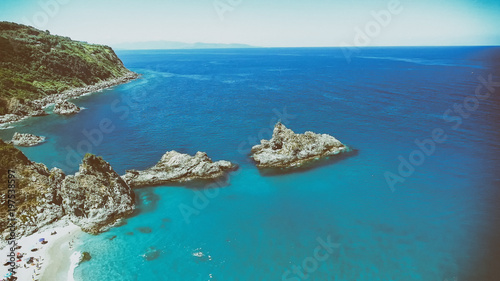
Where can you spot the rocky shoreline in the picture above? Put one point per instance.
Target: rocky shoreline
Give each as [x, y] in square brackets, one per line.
[95, 198]
[175, 167]
[287, 149]
[20, 111]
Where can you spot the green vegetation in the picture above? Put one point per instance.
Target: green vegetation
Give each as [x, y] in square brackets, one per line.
[34, 64]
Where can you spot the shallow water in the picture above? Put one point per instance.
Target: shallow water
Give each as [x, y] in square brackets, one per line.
[441, 223]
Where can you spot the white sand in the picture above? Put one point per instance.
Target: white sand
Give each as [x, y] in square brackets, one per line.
[53, 262]
[74, 261]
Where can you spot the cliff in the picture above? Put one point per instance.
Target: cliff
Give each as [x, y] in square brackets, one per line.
[94, 198]
[35, 64]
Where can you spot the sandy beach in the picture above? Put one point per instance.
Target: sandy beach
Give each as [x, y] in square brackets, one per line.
[51, 261]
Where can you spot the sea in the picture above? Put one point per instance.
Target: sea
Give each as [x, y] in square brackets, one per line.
[416, 198]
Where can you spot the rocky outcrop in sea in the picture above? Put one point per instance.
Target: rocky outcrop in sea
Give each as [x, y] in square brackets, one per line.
[96, 197]
[26, 139]
[66, 108]
[287, 149]
[178, 167]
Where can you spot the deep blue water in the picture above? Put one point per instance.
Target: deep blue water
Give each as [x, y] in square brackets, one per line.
[439, 223]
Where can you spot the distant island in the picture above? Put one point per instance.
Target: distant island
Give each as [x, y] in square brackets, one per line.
[169, 45]
[38, 69]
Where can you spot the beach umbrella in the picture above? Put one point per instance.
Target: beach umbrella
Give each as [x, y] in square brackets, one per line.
[41, 239]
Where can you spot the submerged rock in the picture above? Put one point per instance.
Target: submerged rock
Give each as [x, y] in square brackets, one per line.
[26, 139]
[287, 149]
[65, 108]
[144, 229]
[96, 197]
[178, 167]
[151, 254]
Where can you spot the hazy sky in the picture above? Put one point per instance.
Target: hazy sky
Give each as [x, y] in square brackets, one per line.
[265, 22]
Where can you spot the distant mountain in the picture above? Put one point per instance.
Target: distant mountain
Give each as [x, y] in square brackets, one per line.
[163, 45]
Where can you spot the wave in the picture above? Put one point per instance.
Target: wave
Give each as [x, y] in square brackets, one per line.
[423, 61]
[188, 76]
[75, 261]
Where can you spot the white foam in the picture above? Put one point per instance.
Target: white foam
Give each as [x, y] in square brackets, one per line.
[75, 261]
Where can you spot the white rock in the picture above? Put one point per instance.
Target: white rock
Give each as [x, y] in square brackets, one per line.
[66, 108]
[287, 149]
[26, 139]
[178, 167]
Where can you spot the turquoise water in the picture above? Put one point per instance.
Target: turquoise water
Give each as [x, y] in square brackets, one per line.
[441, 223]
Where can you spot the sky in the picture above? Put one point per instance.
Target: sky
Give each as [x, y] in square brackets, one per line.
[266, 23]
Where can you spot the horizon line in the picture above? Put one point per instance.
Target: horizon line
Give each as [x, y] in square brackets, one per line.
[297, 47]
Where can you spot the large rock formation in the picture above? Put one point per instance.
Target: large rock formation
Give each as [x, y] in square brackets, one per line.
[178, 167]
[96, 197]
[37, 199]
[66, 108]
[286, 149]
[24, 108]
[26, 139]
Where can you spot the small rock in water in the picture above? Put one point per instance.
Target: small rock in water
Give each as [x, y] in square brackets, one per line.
[113, 237]
[202, 256]
[129, 233]
[85, 257]
[66, 108]
[26, 139]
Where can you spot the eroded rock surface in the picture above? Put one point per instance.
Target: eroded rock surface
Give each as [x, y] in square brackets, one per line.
[287, 149]
[26, 139]
[179, 167]
[65, 108]
[96, 197]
